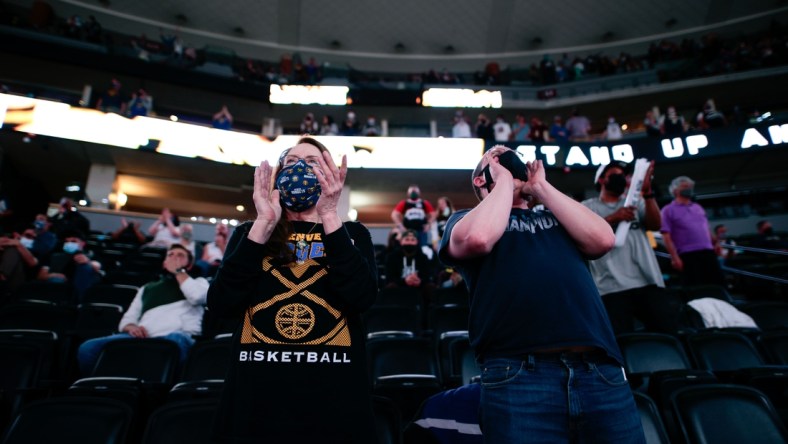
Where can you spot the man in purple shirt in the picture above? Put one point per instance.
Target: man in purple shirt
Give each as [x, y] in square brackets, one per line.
[685, 231]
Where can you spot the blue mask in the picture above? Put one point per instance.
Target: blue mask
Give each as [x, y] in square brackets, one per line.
[71, 247]
[39, 225]
[298, 187]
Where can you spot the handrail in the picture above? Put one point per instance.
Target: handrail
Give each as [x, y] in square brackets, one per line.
[753, 249]
[738, 270]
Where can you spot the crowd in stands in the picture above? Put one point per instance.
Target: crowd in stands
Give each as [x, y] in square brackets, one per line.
[710, 54]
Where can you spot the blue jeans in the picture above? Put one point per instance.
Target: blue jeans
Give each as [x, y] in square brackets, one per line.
[89, 351]
[557, 398]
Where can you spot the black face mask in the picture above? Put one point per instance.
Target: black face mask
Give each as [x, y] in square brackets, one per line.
[616, 183]
[409, 249]
[768, 231]
[511, 161]
[689, 193]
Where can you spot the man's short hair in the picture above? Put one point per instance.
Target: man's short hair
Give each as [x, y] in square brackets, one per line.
[407, 233]
[181, 247]
[74, 233]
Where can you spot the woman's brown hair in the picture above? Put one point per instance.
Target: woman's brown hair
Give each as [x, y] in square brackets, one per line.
[276, 247]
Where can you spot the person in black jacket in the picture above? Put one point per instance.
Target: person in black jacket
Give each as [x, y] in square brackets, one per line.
[297, 279]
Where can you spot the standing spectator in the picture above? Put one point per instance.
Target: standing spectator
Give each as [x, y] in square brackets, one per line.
[628, 277]
[414, 213]
[502, 129]
[460, 128]
[349, 126]
[308, 125]
[140, 104]
[484, 128]
[672, 124]
[685, 231]
[371, 127]
[68, 219]
[537, 325]
[328, 127]
[298, 280]
[223, 119]
[112, 100]
[578, 126]
[539, 131]
[651, 123]
[444, 211]
[558, 131]
[170, 308]
[710, 117]
[612, 130]
[129, 233]
[520, 129]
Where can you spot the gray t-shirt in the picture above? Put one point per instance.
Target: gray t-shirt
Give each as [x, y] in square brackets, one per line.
[632, 265]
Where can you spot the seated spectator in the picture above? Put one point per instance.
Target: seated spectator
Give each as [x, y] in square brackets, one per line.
[328, 127]
[223, 119]
[165, 230]
[45, 240]
[308, 125]
[448, 277]
[187, 238]
[73, 265]
[18, 264]
[129, 233]
[371, 127]
[213, 252]
[767, 238]
[719, 237]
[170, 308]
[409, 266]
[349, 126]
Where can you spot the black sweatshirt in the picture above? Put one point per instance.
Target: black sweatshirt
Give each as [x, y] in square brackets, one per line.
[298, 373]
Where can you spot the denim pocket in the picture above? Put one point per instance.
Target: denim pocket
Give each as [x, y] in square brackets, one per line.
[610, 374]
[500, 372]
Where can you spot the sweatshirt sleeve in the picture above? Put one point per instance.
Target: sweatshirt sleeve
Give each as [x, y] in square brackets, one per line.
[352, 267]
[195, 290]
[134, 312]
[237, 278]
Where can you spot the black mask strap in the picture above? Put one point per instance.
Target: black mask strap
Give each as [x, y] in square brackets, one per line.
[488, 181]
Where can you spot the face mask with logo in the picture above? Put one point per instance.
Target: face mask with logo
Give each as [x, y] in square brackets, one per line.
[511, 161]
[616, 183]
[26, 242]
[71, 247]
[298, 187]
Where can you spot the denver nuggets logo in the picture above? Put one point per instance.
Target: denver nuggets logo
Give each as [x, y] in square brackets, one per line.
[294, 321]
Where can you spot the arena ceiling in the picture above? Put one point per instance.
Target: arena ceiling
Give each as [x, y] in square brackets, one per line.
[407, 35]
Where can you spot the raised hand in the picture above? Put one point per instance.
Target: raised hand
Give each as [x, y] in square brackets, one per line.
[266, 200]
[332, 180]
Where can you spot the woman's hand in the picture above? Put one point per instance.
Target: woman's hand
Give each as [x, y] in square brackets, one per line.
[266, 202]
[332, 180]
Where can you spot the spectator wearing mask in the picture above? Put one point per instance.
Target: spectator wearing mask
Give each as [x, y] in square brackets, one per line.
[672, 124]
[309, 125]
[414, 213]
[502, 129]
[371, 127]
[612, 130]
[460, 128]
[520, 129]
[223, 119]
[328, 127]
[558, 131]
[350, 126]
[484, 128]
[165, 230]
[408, 266]
[73, 265]
[68, 219]
[628, 277]
[685, 231]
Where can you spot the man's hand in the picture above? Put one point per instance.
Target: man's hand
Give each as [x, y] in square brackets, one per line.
[412, 280]
[81, 259]
[620, 215]
[136, 331]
